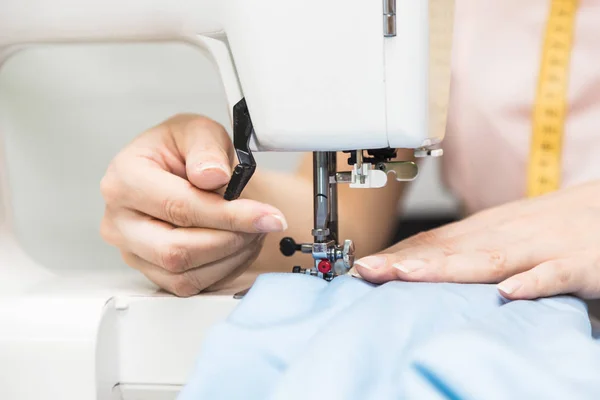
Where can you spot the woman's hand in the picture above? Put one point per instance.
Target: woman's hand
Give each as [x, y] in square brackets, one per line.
[533, 248]
[166, 213]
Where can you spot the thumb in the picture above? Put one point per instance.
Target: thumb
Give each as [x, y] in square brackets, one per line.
[206, 148]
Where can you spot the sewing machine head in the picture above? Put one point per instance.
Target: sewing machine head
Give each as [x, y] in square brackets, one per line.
[314, 75]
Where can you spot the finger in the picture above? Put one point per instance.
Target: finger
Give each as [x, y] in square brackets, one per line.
[146, 187]
[472, 267]
[239, 270]
[192, 282]
[561, 276]
[206, 148]
[177, 284]
[213, 274]
[484, 258]
[177, 249]
[108, 229]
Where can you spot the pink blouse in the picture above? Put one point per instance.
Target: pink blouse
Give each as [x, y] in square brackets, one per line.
[496, 58]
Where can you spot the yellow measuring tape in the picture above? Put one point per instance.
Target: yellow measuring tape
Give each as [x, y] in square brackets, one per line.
[550, 109]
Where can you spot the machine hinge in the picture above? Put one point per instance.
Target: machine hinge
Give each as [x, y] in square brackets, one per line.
[389, 18]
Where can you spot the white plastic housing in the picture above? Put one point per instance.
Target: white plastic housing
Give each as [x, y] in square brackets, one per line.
[317, 74]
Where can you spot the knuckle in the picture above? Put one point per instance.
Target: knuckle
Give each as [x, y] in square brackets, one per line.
[447, 247]
[562, 274]
[182, 116]
[536, 282]
[109, 189]
[127, 258]
[175, 258]
[106, 231]
[181, 286]
[196, 123]
[177, 211]
[551, 277]
[497, 261]
[217, 140]
[228, 219]
[181, 120]
[134, 262]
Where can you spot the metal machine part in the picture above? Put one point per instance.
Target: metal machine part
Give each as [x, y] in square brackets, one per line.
[389, 18]
[374, 176]
[330, 257]
[428, 152]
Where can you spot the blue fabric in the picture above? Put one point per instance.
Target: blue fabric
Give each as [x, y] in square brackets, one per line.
[298, 337]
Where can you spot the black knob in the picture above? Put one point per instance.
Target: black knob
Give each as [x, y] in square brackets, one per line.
[288, 246]
[296, 270]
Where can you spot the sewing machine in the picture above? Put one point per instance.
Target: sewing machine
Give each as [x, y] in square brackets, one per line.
[320, 76]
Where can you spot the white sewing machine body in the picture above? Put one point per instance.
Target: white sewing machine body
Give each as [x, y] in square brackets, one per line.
[318, 75]
[85, 337]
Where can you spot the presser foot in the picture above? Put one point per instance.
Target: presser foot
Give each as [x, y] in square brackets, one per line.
[313, 272]
[331, 260]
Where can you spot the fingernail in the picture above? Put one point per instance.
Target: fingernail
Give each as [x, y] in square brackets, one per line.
[271, 223]
[354, 273]
[372, 262]
[208, 166]
[409, 266]
[510, 286]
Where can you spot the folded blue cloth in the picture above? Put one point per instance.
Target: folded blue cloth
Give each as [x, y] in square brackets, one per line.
[299, 337]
